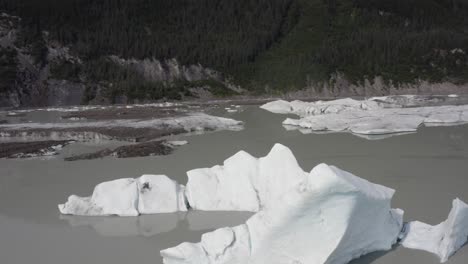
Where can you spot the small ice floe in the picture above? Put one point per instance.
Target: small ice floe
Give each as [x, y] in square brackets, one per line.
[76, 118]
[443, 239]
[231, 110]
[177, 143]
[12, 114]
[376, 116]
[148, 194]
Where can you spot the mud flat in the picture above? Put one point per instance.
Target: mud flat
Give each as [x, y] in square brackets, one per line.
[93, 133]
[124, 113]
[151, 148]
[31, 149]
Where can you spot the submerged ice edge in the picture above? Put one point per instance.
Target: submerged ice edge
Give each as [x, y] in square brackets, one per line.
[371, 117]
[328, 200]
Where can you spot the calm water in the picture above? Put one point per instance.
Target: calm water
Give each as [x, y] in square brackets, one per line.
[428, 169]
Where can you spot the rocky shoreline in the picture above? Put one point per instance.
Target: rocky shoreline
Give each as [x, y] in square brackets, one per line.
[151, 148]
[146, 126]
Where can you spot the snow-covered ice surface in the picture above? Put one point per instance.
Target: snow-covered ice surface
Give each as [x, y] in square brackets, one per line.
[244, 183]
[190, 122]
[331, 216]
[443, 239]
[177, 143]
[92, 107]
[148, 194]
[374, 116]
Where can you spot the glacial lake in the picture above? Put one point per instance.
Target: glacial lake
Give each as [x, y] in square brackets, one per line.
[428, 169]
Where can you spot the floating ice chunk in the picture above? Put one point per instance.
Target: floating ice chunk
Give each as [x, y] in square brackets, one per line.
[118, 197]
[159, 194]
[278, 107]
[331, 217]
[244, 183]
[177, 143]
[443, 239]
[148, 194]
[376, 116]
[444, 117]
[319, 107]
[389, 125]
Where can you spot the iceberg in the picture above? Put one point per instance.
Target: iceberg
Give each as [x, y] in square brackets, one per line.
[149, 194]
[375, 116]
[243, 183]
[319, 107]
[331, 216]
[327, 216]
[443, 239]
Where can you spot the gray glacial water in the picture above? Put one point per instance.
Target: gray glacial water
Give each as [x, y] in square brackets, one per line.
[428, 169]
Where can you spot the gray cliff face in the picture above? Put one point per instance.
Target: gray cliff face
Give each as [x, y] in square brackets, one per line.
[168, 70]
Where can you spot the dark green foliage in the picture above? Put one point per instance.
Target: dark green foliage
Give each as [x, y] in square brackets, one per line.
[217, 88]
[65, 70]
[399, 40]
[122, 80]
[265, 45]
[7, 68]
[217, 33]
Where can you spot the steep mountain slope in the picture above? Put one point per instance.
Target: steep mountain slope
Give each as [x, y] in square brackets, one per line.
[123, 51]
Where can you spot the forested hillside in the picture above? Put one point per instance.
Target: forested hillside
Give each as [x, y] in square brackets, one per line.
[259, 44]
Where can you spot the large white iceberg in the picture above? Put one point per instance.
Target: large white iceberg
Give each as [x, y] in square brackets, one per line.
[326, 216]
[331, 216]
[443, 239]
[375, 116]
[149, 194]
